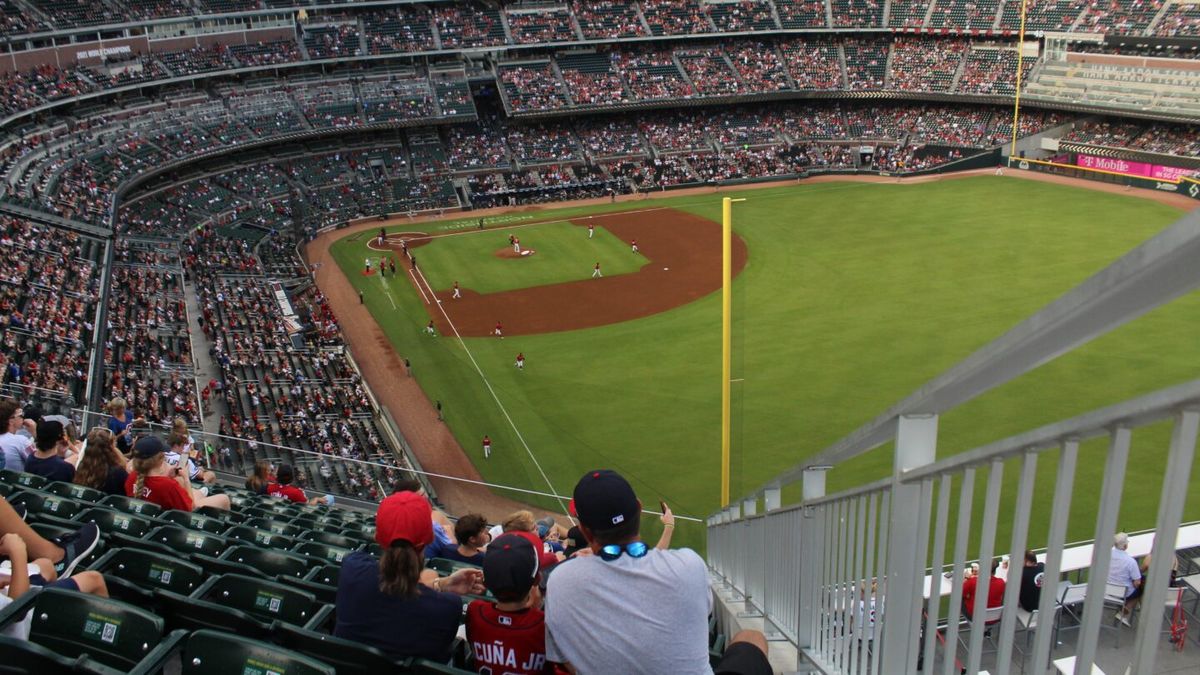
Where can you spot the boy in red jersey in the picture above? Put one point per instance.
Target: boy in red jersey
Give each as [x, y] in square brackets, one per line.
[509, 635]
[282, 488]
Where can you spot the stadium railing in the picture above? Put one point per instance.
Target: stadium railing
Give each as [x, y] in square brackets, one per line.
[806, 568]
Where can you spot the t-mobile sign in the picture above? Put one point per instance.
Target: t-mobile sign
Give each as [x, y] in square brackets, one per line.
[1124, 166]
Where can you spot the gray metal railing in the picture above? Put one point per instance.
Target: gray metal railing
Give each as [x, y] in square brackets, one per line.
[858, 581]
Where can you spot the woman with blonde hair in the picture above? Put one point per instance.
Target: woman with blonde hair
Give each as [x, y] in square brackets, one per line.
[102, 467]
[119, 422]
[156, 481]
[258, 481]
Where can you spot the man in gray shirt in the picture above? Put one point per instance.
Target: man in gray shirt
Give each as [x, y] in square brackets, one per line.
[623, 607]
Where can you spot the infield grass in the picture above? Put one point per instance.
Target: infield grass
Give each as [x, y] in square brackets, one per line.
[854, 295]
[563, 253]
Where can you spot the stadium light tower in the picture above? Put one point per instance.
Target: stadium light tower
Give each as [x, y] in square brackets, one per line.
[726, 337]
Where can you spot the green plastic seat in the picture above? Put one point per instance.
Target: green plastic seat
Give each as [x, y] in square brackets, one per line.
[325, 574]
[130, 505]
[346, 656]
[79, 492]
[133, 574]
[51, 532]
[112, 522]
[194, 521]
[39, 503]
[269, 562]
[321, 552]
[275, 526]
[261, 511]
[322, 592]
[23, 479]
[110, 632]
[241, 604]
[216, 653]
[330, 539]
[22, 657]
[188, 542]
[446, 567]
[261, 537]
[230, 517]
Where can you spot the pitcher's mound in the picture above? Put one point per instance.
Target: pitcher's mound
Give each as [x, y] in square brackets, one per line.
[507, 252]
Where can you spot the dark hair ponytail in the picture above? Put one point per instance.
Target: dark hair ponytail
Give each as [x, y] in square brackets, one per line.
[400, 569]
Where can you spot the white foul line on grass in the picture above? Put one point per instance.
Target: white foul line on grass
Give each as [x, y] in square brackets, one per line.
[495, 397]
[414, 278]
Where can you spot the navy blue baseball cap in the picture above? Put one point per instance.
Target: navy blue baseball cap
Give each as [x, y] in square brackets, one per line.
[603, 499]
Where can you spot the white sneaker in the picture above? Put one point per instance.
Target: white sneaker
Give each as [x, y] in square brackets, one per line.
[1123, 618]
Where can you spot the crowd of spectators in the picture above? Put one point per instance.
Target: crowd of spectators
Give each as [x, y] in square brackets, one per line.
[272, 393]
[1180, 20]
[196, 60]
[759, 67]
[147, 351]
[48, 294]
[814, 63]
[925, 65]
[992, 71]
[857, 13]
[1173, 139]
[1129, 17]
[608, 19]
[532, 86]
[801, 13]
[742, 15]
[333, 41]
[468, 25]
[541, 26]
[908, 13]
[400, 29]
[676, 17]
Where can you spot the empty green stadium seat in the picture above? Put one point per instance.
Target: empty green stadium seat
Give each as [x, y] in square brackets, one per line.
[349, 658]
[23, 479]
[80, 492]
[330, 539]
[255, 535]
[216, 653]
[232, 517]
[38, 502]
[275, 526]
[130, 505]
[270, 562]
[194, 521]
[110, 632]
[110, 521]
[321, 552]
[133, 574]
[188, 542]
[22, 657]
[325, 574]
[242, 604]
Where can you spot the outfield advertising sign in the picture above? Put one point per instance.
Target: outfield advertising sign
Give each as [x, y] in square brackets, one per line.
[1130, 168]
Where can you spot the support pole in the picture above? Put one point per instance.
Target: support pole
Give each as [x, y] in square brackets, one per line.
[726, 338]
[1016, 124]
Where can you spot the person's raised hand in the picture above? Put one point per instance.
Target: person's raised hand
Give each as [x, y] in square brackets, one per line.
[464, 581]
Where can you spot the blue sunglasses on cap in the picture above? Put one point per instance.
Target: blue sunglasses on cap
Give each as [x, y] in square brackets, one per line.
[635, 549]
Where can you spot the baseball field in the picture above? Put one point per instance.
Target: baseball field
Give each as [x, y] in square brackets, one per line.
[848, 296]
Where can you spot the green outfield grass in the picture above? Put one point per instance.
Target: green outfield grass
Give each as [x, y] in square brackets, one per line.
[564, 253]
[854, 295]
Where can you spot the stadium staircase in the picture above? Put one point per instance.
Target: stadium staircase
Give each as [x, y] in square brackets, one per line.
[858, 581]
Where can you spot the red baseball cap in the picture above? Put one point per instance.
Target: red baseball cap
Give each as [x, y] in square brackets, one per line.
[407, 516]
[545, 558]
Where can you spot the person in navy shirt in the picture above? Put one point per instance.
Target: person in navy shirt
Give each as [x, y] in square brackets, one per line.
[472, 534]
[393, 603]
[46, 460]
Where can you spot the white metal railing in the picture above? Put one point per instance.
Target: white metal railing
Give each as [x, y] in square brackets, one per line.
[855, 580]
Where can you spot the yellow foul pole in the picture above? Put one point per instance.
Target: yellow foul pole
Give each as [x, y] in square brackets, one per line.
[1016, 124]
[726, 338]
